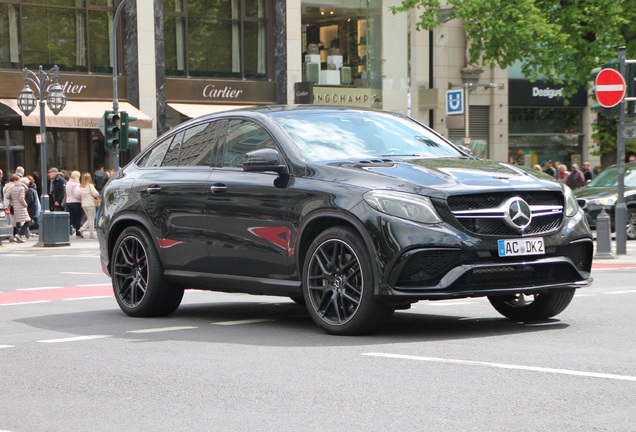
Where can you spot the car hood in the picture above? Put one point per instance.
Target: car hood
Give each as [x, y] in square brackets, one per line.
[595, 192]
[601, 192]
[445, 175]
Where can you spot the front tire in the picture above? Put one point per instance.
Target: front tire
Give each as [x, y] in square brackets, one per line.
[137, 274]
[339, 282]
[534, 307]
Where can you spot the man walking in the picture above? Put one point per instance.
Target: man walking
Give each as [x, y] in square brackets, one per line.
[57, 189]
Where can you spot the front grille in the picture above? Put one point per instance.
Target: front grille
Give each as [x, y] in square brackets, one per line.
[470, 212]
[580, 254]
[520, 275]
[427, 268]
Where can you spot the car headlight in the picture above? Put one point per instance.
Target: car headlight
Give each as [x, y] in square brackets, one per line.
[415, 208]
[571, 205]
[605, 201]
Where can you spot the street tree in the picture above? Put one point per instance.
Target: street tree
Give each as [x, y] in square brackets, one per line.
[556, 40]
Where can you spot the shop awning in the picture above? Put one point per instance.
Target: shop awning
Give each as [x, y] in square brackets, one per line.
[78, 114]
[196, 110]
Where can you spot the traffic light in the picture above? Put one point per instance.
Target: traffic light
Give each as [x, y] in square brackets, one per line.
[630, 80]
[126, 130]
[111, 131]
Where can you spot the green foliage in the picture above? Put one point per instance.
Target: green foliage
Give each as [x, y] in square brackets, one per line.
[557, 40]
[560, 40]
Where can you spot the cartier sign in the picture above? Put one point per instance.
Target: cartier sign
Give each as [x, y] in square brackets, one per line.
[220, 91]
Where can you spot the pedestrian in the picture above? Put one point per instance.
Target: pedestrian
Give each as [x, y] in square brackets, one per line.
[1, 184]
[575, 179]
[89, 197]
[549, 169]
[18, 208]
[100, 178]
[562, 173]
[74, 203]
[33, 203]
[19, 171]
[587, 172]
[537, 167]
[57, 188]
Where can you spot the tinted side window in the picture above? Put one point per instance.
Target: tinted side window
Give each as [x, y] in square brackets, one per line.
[154, 157]
[172, 155]
[200, 143]
[244, 136]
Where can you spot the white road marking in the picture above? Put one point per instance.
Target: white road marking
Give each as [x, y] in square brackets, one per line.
[25, 303]
[81, 273]
[447, 303]
[74, 339]
[87, 298]
[250, 321]
[506, 366]
[162, 329]
[5, 346]
[40, 288]
[620, 292]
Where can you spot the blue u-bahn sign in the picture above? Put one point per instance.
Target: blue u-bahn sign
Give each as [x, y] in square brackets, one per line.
[454, 102]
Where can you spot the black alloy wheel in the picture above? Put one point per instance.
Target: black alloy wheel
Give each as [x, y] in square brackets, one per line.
[137, 275]
[338, 284]
[533, 307]
[631, 223]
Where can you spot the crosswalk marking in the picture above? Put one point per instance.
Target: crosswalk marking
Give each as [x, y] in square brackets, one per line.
[162, 329]
[74, 339]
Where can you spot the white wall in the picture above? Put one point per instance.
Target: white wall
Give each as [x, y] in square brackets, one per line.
[147, 73]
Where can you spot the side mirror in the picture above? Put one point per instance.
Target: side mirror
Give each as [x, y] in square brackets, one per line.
[266, 159]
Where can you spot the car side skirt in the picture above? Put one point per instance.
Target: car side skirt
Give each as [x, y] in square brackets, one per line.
[234, 284]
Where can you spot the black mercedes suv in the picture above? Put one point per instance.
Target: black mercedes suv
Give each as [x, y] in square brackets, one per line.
[354, 213]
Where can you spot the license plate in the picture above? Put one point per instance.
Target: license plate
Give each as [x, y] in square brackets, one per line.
[521, 247]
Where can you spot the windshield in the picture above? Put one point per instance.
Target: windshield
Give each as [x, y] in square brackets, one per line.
[609, 178]
[331, 135]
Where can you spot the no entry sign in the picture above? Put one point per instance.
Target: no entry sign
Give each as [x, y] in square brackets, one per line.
[610, 87]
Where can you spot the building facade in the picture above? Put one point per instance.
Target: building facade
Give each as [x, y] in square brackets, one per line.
[178, 59]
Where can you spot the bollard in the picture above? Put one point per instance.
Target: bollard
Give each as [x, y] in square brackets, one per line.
[603, 236]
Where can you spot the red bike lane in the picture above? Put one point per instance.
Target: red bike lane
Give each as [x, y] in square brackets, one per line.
[46, 294]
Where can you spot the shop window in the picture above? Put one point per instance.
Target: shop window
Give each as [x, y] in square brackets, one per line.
[216, 38]
[341, 43]
[541, 134]
[72, 34]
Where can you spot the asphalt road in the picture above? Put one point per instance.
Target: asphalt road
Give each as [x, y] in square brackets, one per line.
[70, 360]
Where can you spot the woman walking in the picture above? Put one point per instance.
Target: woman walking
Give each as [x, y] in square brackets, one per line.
[89, 194]
[73, 202]
[17, 201]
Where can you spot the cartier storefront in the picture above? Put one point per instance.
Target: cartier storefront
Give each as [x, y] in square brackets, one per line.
[74, 141]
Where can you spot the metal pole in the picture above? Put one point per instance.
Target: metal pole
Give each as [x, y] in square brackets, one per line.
[466, 114]
[120, 7]
[621, 208]
[42, 81]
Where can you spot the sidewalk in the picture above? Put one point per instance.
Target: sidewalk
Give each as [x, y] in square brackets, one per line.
[29, 244]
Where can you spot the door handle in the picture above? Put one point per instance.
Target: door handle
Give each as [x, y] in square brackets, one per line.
[218, 188]
[153, 189]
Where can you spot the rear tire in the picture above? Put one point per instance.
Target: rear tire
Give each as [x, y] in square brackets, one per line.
[137, 275]
[339, 282]
[631, 224]
[534, 307]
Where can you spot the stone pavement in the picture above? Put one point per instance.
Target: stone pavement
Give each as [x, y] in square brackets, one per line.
[76, 243]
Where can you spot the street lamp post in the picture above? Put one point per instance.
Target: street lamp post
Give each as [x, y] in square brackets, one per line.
[45, 83]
